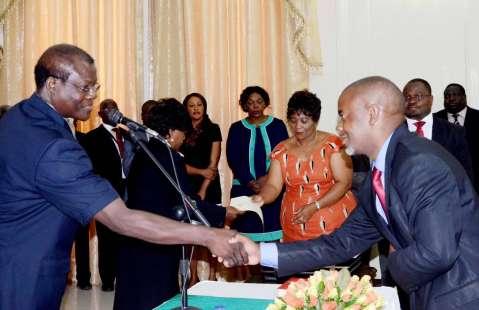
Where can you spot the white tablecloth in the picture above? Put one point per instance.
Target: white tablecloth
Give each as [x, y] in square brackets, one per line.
[269, 291]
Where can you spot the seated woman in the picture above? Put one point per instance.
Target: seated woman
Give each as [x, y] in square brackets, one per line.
[316, 171]
[202, 150]
[248, 147]
[148, 273]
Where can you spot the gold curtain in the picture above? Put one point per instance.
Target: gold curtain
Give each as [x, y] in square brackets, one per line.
[217, 48]
[103, 28]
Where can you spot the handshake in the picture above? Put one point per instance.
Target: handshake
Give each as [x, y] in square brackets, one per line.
[233, 249]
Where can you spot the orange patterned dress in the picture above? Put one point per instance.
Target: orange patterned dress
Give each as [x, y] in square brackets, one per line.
[307, 181]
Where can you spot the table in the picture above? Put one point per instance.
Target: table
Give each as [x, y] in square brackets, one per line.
[252, 296]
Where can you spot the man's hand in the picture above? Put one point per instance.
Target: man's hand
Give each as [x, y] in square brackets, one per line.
[231, 254]
[253, 250]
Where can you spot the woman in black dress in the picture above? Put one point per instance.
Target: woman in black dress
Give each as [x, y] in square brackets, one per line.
[202, 150]
[148, 273]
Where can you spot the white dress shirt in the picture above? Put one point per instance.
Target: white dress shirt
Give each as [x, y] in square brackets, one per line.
[461, 117]
[426, 128]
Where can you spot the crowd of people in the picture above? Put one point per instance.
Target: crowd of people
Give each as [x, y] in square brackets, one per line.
[333, 196]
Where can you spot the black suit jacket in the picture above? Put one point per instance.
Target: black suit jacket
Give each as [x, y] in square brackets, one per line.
[453, 138]
[471, 125]
[101, 149]
[433, 225]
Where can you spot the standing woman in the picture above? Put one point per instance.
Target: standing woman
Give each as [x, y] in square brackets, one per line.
[147, 273]
[316, 171]
[202, 150]
[248, 147]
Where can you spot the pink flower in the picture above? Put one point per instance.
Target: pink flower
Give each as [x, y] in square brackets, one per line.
[370, 298]
[330, 305]
[292, 300]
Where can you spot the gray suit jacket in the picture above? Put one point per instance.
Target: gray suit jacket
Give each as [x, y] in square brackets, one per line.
[433, 225]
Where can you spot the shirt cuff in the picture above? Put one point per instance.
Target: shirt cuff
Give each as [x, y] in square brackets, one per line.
[269, 254]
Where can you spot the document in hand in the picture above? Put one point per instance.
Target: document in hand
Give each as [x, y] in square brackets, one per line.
[244, 203]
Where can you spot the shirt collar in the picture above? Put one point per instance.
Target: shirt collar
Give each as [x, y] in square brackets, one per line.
[460, 113]
[68, 120]
[380, 161]
[427, 119]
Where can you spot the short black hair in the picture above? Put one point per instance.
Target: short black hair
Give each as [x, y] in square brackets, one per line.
[305, 102]
[168, 114]
[55, 61]
[463, 90]
[248, 91]
[423, 82]
[146, 108]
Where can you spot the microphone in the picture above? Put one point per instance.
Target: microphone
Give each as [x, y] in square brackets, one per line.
[115, 117]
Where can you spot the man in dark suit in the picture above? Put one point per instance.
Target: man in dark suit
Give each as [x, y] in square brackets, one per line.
[107, 147]
[418, 197]
[456, 111]
[418, 96]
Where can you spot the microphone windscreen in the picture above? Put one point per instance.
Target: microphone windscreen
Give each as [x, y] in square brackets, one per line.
[113, 117]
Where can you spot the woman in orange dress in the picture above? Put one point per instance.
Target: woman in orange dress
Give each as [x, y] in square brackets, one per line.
[316, 172]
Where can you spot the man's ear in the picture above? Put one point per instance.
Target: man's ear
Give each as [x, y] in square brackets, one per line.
[50, 84]
[374, 111]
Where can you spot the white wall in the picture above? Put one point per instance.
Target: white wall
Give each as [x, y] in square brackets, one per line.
[399, 39]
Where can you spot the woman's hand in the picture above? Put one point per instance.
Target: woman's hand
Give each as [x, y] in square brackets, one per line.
[258, 199]
[202, 194]
[254, 186]
[231, 215]
[304, 214]
[209, 173]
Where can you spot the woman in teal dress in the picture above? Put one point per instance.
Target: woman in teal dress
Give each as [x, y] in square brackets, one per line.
[248, 147]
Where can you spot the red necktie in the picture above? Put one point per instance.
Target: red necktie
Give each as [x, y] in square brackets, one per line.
[119, 142]
[379, 189]
[419, 130]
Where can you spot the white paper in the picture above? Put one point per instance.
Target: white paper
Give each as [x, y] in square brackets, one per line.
[244, 203]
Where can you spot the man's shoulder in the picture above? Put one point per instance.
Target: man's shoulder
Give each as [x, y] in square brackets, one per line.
[472, 112]
[442, 114]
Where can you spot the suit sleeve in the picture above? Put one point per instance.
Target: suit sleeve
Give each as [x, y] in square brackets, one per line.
[356, 235]
[430, 193]
[235, 155]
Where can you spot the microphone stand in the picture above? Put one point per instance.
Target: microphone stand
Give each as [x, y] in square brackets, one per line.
[188, 203]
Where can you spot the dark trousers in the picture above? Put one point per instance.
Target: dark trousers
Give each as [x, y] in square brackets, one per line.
[107, 254]
[82, 255]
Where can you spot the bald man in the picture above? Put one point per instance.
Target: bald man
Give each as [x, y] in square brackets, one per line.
[48, 188]
[417, 196]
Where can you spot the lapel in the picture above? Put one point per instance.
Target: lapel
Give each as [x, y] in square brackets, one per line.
[438, 130]
[391, 194]
[109, 140]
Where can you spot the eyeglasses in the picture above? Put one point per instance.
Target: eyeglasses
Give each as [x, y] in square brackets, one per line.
[86, 90]
[416, 97]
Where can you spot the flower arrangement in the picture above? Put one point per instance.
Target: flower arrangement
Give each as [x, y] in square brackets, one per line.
[329, 290]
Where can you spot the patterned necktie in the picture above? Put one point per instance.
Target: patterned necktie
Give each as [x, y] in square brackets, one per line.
[379, 189]
[419, 126]
[119, 142]
[456, 119]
